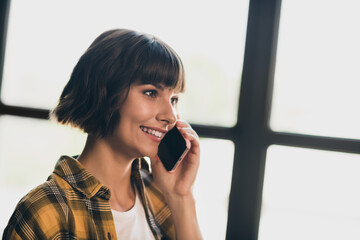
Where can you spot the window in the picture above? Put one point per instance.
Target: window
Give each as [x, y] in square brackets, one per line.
[296, 112]
[313, 194]
[43, 43]
[316, 79]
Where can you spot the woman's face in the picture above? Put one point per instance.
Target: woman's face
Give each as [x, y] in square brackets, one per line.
[148, 112]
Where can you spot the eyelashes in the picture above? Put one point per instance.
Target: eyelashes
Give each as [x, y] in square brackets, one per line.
[151, 93]
[174, 100]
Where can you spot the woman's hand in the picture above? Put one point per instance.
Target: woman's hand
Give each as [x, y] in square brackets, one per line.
[177, 186]
[179, 182]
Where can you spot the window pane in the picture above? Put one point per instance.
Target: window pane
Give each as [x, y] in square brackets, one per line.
[310, 194]
[46, 38]
[317, 78]
[212, 187]
[29, 149]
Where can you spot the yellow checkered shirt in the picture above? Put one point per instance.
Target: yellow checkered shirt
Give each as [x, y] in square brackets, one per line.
[73, 204]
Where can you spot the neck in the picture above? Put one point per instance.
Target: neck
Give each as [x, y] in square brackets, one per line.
[111, 168]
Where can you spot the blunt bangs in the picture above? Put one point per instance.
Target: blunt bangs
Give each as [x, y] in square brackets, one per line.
[158, 64]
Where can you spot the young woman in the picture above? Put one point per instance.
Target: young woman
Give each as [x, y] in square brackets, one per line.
[123, 93]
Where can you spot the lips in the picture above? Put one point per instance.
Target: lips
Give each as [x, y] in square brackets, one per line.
[152, 132]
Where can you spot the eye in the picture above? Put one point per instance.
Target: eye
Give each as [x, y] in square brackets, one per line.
[174, 100]
[151, 93]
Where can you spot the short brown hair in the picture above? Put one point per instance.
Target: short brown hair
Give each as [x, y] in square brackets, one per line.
[103, 75]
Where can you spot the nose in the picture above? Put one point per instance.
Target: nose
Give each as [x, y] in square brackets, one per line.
[167, 113]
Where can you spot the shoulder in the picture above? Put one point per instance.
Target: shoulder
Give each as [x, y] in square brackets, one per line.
[46, 197]
[38, 213]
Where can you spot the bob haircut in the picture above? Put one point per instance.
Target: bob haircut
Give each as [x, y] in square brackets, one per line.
[101, 79]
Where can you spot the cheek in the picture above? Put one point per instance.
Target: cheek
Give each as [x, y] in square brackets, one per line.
[136, 112]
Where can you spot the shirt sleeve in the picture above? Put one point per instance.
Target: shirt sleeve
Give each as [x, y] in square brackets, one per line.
[37, 216]
[10, 233]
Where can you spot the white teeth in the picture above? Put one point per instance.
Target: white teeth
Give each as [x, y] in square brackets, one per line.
[152, 132]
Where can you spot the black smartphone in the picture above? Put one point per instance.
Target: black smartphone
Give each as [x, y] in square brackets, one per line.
[172, 149]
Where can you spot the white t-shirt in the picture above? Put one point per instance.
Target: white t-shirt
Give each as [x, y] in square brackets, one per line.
[132, 225]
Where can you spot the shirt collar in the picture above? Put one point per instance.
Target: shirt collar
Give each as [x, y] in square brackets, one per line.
[73, 172]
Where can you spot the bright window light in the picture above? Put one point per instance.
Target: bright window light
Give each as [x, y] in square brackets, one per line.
[310, 194]
[317, 77]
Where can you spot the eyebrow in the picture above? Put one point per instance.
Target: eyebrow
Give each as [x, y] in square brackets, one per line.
[158, 86]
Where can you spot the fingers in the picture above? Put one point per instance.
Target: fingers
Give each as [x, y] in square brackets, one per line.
[185, 128]
[189, 134]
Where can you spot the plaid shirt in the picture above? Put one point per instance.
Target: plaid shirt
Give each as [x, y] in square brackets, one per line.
[72, 204]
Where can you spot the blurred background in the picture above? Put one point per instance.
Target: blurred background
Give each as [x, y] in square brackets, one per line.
[272, 89]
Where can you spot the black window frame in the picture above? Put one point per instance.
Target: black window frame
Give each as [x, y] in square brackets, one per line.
[251, 135]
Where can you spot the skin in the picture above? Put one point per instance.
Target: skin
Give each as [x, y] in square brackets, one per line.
[109, 159]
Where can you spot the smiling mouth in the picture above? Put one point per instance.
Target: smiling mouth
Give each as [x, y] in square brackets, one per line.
[153, 132]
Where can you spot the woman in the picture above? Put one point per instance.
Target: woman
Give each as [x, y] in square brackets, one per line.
[123, 93]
